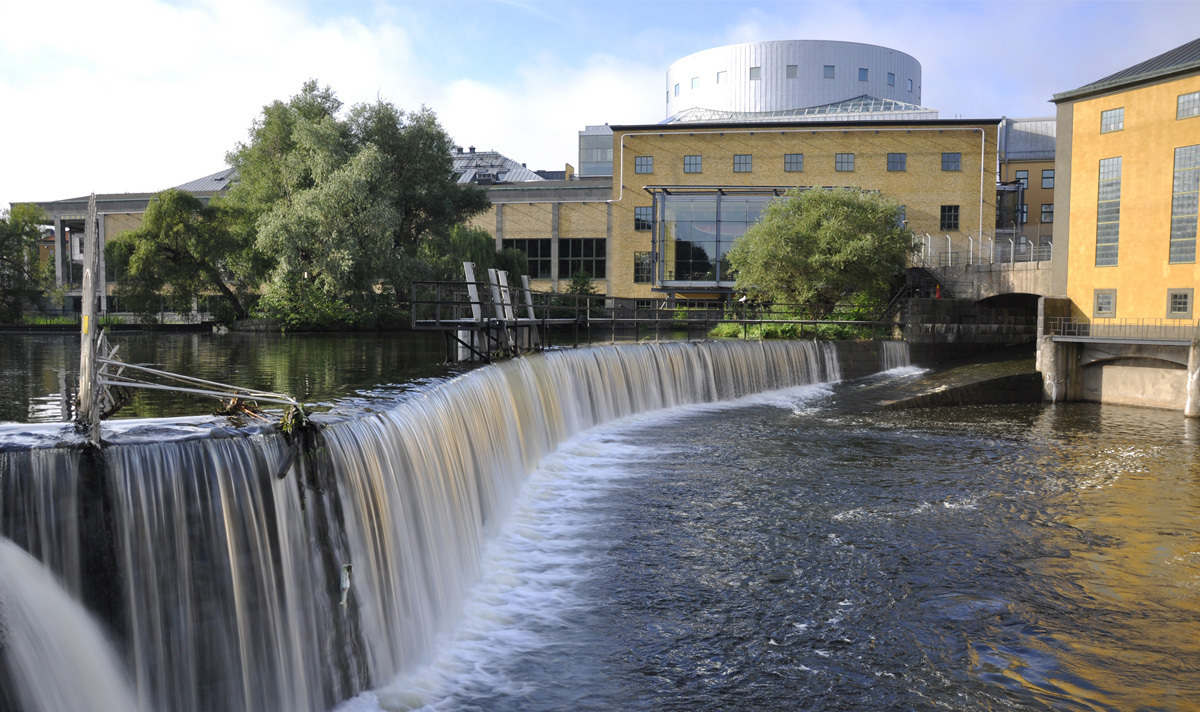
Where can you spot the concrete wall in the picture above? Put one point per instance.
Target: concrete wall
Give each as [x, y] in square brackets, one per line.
[950, 321]
[981, 281]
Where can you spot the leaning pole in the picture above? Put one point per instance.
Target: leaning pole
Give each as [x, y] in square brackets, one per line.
[87, 417]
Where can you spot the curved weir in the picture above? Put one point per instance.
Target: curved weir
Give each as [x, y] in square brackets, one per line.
[233, 580]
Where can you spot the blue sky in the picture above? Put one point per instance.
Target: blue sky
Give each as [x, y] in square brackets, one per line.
[139, 95]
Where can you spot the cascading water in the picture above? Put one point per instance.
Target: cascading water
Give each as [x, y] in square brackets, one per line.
[53, 656]
[232, 587]
[893, 354]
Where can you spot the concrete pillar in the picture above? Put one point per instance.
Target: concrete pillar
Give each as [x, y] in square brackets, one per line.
[1052, 361]
[1191, 407]
[59, 247]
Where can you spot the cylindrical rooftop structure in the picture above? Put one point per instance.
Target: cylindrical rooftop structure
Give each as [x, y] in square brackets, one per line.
[783, 75]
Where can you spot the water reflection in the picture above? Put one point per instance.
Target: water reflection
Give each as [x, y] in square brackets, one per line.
[41, 370]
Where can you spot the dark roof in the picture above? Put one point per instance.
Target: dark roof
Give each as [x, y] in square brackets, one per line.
[1183, 59]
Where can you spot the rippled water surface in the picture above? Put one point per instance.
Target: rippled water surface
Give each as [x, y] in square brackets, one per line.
[801, 550]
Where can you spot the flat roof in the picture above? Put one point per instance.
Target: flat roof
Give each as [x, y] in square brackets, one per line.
[802, 125]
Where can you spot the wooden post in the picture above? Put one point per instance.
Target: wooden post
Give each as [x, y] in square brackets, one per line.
[88, 415]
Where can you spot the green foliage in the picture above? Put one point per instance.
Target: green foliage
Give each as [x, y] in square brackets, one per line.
[184, 251]
[818, 248]
[351, 209]
[581, 283]
[22, 276]
[445, 255]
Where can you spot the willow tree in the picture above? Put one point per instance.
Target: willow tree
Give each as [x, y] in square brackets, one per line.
[819, 248]
[184, 251]
[23, 277]
[343, 204]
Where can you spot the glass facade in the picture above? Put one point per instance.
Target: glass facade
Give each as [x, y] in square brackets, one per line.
[596, 155]
[1108, 212]
[1185, 204]
[696, 232]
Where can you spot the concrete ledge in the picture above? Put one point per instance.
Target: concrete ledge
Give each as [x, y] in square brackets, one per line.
[1015, 388]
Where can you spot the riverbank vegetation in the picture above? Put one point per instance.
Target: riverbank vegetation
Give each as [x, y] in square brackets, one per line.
[332, 216]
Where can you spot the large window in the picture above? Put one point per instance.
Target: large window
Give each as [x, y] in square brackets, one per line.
[897, 161]
[1185, 204]
[643, 164]
[596, 155]
[538, 254]
[693, 164]
[585, 253]
[643, 217]
[843, 162]
[1108, 212]
[1047, 212]
[1188, 105]
[1112, 120]
[643, 268]
[1048, 178]
[743, 163]
[793, 162]
[1023, 179]
[952, 161]
[949, 218]
[694, 243]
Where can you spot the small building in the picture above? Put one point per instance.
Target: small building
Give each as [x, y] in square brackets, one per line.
[1026, 158]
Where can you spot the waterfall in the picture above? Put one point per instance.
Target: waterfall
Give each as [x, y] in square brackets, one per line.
[53, 655]
[893, 354]
[237, 581]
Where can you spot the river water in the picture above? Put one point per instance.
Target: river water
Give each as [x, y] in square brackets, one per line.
[801, 550]
[794, 549]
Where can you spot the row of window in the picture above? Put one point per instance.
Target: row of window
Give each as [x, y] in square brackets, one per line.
[1186, 106]
[1047, 178]
[643, 216]
[574, 254]
[794, 163]
[1180, 303]
[792, 71]
[1185, 208]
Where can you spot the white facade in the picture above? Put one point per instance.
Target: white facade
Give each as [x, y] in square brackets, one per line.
[758, 76]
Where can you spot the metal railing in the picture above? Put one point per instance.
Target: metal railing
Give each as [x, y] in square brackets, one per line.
[1148, 330]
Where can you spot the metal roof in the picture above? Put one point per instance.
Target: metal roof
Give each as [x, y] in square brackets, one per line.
[863, 107]
[215, 183]
[487, 167]
[1027, 139]
[1184, 58]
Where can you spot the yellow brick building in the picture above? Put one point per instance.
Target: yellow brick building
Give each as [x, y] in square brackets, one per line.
[1129, 178]
[682, 193]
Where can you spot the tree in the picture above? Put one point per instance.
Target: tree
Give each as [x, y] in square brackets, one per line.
[817, 248]
[344, 205]
[445, 255]
[182, 251]
[22, 276]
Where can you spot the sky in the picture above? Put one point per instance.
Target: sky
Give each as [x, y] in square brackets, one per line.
[140, 95]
